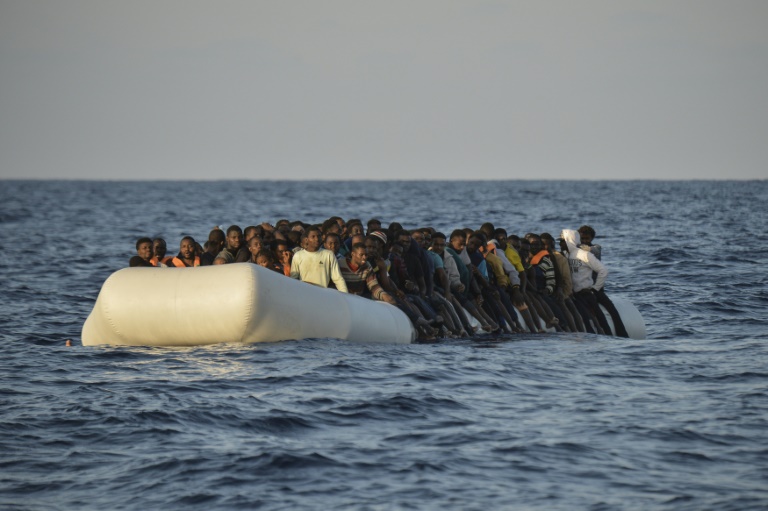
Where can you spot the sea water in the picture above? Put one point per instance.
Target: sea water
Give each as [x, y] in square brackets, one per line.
[555, 421]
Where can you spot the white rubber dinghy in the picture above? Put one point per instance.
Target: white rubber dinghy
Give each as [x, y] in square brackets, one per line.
[232, 303]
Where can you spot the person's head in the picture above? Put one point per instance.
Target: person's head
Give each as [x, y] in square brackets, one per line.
[283, 225]
[392, 231]
[267, 237]
[438, 242]
[373, 247]
[342, 225]
[283, 252]
[234, 237]
[535, 243]
[294, 239]
[476, 242]
[187, 247]
[144, 248]
[216, 240]
[587, 234]
[488, 230]
[255, 245]
[354, 228]
[331, 226]
[548, 241]
[524, 248]
[403, 238]
[374, 224]
[332, 242]
[514, 241]
[159, 248]
[458, 240]
[358, 255]
[314, 239]
[427, 232]
[420, 238]
[265, 258]
[251, 231]
[381, 236]
[500, 235]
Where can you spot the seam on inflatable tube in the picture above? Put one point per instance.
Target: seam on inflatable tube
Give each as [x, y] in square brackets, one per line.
[251, 300]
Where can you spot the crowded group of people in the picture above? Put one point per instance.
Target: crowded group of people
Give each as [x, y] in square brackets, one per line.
[448, 285]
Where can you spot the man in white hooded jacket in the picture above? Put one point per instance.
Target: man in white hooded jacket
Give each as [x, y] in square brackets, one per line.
[582, 264]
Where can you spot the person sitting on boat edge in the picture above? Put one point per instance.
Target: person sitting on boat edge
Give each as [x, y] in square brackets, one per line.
[186, 257]
[315, 264]
[587, 235]
[455, 247]
[360, 277]
[564, 284]
[143, 253]
[583, 263]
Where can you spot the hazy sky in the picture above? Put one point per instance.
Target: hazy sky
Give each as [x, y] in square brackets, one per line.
[417, 89]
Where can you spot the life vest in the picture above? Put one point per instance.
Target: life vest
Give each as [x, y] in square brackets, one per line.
[535, 260]
[179, 263]
[160, 262]
[540, 277]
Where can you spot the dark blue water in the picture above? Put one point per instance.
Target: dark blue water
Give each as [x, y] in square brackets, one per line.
[678, 421]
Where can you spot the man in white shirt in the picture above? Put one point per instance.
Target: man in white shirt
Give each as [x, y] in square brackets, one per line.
[317, 265]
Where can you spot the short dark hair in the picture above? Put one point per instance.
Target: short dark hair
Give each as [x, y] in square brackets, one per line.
[458, 233]
[585, 229]
[143, 240]
[480, 236]
[234, 228]
[250, 229]
[329, 224]
[488, 229]
[266, 253]
[216, 235]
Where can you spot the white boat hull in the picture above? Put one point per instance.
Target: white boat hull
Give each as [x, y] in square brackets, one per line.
[233, 303]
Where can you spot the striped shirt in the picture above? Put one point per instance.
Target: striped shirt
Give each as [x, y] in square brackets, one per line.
[361, 280]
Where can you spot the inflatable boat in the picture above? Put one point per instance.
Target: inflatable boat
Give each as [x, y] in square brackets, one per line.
[245, 303]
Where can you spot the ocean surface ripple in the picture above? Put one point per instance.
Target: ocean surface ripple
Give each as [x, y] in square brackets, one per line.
[559, 421]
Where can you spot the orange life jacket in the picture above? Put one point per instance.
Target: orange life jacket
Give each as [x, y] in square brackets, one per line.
[179, 263]
[538, 257]
[156, 262]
